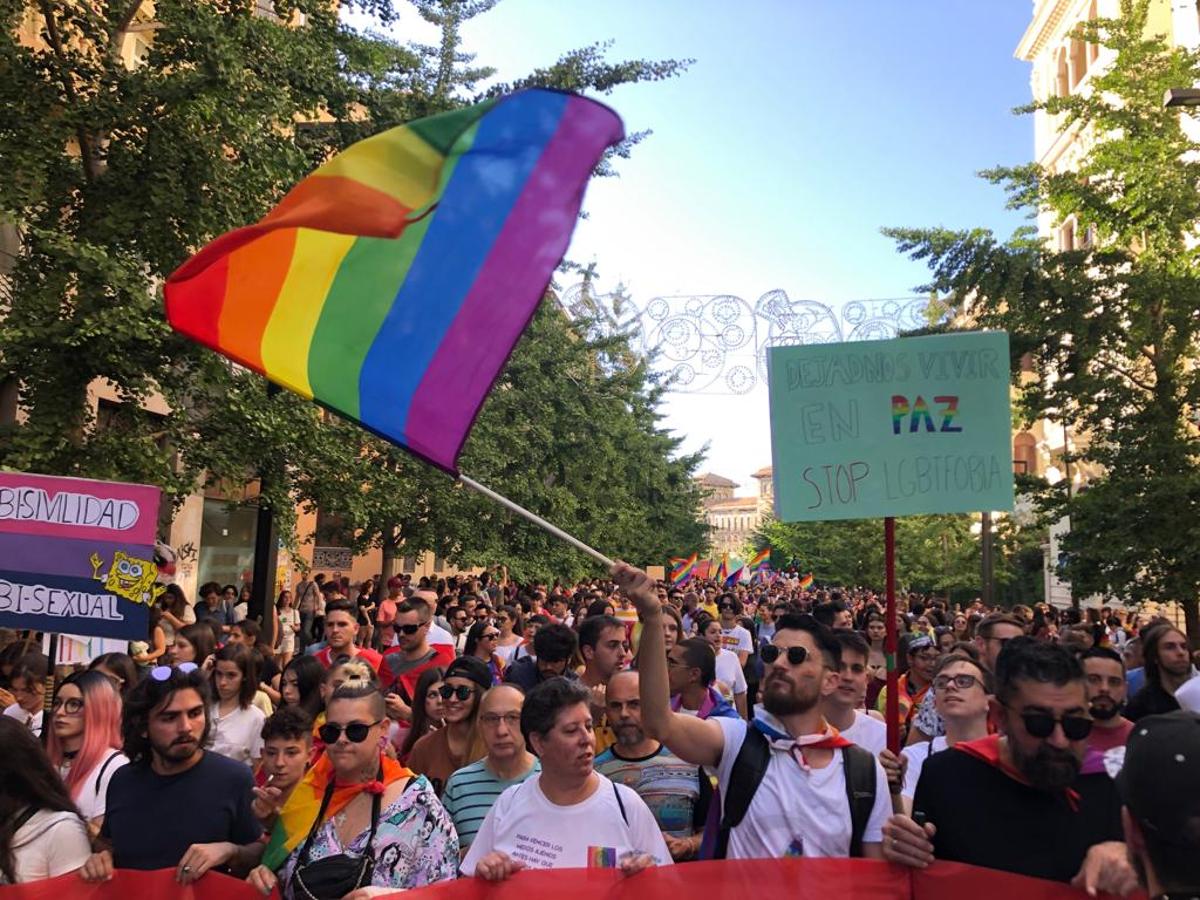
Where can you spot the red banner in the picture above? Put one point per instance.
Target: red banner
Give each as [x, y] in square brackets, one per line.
[795, 879]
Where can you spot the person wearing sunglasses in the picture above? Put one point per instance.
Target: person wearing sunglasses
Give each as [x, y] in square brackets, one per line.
[459, 743]
[482, 640]
[734, 637]
[357, 803]
[806, 790]
[961, 687]
[1017, 801]
[84, 743]
[413, 655]
[176, 805]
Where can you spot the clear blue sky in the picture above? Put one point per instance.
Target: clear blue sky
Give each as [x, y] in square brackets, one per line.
[802, 127]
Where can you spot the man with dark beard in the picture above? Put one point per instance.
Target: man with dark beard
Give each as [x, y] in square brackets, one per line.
[1105, 673]
[813, 793]
[1017, 801]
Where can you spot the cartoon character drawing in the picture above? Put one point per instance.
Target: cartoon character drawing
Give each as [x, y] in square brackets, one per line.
[128, 577]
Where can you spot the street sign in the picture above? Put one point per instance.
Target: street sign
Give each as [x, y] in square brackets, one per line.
[891, 428]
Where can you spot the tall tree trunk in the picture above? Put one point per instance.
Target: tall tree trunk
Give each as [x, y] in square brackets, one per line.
[391, 550]
[1191, 620]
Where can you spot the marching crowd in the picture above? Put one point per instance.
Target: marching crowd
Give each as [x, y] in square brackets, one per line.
[394, 735]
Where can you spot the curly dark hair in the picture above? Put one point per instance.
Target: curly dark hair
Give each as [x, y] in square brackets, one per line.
[150, 695]
[546, 700]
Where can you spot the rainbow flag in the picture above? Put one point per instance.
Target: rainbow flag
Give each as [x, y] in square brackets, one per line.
[722, 570]
[806, 581]
[759, 559]
[735, 576]
[683, 569]
[392, 283]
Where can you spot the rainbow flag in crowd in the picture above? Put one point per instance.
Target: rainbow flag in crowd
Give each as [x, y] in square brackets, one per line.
[806, 581]
[722, 570]
[683, 568]
[392, 283]
[735, 576]
[759, 559]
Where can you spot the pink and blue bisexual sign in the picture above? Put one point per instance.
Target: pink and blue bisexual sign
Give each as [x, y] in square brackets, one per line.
[77, 556]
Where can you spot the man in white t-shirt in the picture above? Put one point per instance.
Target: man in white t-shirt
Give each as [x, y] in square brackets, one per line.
[960, 695]
[801, 806]
[843, 708]
[734, 638]
[568, 816]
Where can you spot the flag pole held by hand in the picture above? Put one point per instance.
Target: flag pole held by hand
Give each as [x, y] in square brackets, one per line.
[536, 520]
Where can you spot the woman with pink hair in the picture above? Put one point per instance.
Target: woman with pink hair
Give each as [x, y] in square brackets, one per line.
[84, 743]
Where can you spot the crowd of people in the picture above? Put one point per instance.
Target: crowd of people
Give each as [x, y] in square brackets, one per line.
[397, 734]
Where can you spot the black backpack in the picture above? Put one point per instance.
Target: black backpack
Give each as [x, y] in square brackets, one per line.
[750, 767]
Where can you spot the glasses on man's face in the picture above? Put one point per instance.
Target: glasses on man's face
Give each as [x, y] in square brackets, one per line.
[72, 706]
[493, 720]
[408, 629]
[356, 732]
[461, 691]
[1041, 725]
[963, 682]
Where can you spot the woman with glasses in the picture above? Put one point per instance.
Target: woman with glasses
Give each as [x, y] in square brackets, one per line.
[42, 835]
[482, 640]
[370, 809]
[426, 710]
[512, 630]
[84, 743]
[459, 743]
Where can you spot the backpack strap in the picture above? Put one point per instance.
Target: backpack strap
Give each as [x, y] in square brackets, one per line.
[620, 804]
[104, 768]
[744, 778]
[859, 767]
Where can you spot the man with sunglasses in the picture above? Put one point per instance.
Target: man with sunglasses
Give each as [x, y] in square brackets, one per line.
[1017, 801]
[175, 805]
[402, 665]
[809, 796]
[734, 637]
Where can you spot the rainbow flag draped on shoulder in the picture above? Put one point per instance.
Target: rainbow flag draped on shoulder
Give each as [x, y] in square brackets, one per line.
[392, 283]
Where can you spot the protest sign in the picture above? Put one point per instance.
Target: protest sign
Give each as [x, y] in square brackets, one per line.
[77, 556]
[891, 428]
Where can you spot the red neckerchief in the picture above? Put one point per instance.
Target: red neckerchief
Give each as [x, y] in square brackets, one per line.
[988, 750]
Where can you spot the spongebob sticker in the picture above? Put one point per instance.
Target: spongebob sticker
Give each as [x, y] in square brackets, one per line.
[128, 577]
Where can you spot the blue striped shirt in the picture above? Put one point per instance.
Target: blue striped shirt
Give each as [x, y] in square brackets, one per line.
[470, 793]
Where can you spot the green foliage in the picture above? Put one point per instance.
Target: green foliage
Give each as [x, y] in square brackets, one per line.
[937, 554]
[1111, 326]
[115, 175]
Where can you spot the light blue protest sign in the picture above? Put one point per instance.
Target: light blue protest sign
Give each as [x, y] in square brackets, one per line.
[891, 428]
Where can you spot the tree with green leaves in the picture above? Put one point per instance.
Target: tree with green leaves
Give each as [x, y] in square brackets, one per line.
[1111, 325]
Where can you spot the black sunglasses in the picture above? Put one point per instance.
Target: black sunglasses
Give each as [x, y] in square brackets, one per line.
[356, 732]
[409, 629]
[1041, 725]
[462, 691]
[795, 655]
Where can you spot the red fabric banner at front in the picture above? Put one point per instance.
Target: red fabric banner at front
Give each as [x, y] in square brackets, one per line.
[794, 879]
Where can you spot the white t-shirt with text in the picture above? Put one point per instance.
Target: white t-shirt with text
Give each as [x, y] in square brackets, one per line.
[524, 824]
[737, 639]
[794, 812]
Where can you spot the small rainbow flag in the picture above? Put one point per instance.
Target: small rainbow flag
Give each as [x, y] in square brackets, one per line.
[602, 857]
[806, 581]
[392, 283]
[722, 570]
[759, 559]
[683, 569]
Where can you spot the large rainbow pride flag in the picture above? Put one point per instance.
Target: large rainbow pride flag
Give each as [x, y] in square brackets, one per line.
[392, 283]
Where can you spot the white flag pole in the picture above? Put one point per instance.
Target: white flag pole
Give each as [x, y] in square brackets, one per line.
[536, 520]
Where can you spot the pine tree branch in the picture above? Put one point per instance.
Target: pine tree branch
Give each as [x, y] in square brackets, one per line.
[87, 156]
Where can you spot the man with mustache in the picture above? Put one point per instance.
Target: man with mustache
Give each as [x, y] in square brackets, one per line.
[1016, 801]
[175, 806]
[1106, 687]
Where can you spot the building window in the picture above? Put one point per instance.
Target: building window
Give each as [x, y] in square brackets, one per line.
[1078, 62]
[438, 565]
[331, 531]
[1062, 79]
[1066, 236]
[1025, 453]
[408, 565]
